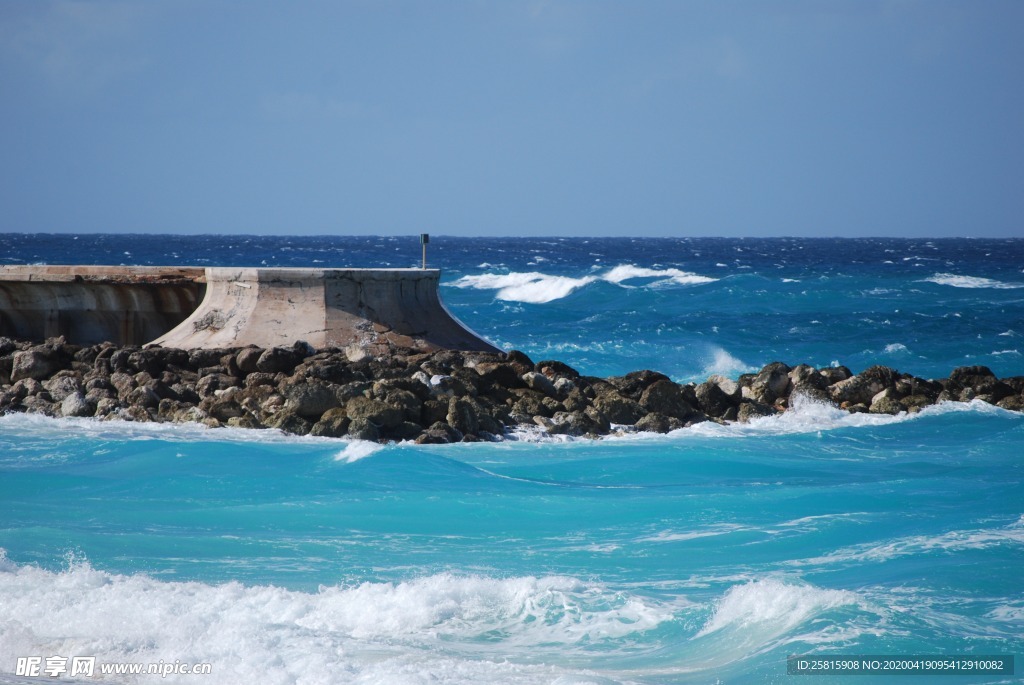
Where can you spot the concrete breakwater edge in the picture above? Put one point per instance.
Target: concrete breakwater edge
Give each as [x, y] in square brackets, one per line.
[435, 396]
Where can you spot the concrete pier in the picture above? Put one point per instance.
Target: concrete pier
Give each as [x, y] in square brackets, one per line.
[126, 305]
[220, 307]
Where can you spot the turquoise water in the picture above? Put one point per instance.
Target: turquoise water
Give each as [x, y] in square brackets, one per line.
[707, 555]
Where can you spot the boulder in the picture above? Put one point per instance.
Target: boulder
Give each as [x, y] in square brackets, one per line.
[75, 404]
[463, 416]
[540, 383]
[333, 424]
[247, 359]
[36, 363]
[885, 404]
[556, 369]
[62, 385]
[289, 422]
[363, 429]
[658, 423]
[771, 383]
[633, 384]
[752, 410]
[618, 409]
[376, 412]
[279, 360]
[666, 398]
[712, 400]
[309, 399]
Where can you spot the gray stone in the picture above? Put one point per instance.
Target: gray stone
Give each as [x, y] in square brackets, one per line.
[75, 404]
[36, 363]
[540, 383]
[619, 409]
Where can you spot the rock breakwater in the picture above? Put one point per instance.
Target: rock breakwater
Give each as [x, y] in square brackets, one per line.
[435, 397]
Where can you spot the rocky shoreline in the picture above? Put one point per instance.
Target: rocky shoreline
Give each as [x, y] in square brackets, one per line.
[435, 397]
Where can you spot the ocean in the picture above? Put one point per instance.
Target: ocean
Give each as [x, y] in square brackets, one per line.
[708, 555]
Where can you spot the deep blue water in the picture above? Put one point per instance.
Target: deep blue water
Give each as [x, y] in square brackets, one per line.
[707, 555]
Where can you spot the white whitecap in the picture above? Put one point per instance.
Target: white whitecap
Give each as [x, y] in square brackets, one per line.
[532, 287]
[770, 607]
[958, 281]
[356, 450]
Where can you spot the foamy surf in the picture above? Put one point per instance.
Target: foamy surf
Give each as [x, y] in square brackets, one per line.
[539, 288]
[442, 628]
[958, 281]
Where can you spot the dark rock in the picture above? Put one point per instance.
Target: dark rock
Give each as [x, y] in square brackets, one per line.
[463, 416]
[309, 399]
[37, 363]
[633, 384]
[363, 429]
[1012, 403]
[142, 397]
[438, 434]
[278, 360]
[658, 423]
[222, 409]
[246, 359]
[712, 400]
[752, 410]
[198, 359]
[520, 360]
[834, 374]
[970, 376]
[886, 405]
[556, 369]
[665, 397]
[771, 383]
[540, 383]
[376, 412]
[62, 384]
[531, 403]
[619, 409]
[805, 377]
[498, 374]
[577, 423]
[333, 424]
[289, 422]
[208, 385]
[435, 411]
[407, 430]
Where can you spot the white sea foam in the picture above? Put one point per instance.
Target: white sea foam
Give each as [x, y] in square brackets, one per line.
[957, 281]
[538, 288]
[723, 363]
[627, 272]
[533, 287]
[358, 449]
[894, 348]
[949, 542]
[772, 606]
[758, 615]
[442, 628]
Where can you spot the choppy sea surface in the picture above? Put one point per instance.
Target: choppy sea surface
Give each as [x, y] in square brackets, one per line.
[707, 555]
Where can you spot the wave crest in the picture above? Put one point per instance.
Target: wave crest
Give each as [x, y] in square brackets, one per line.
[958, 281]
[538, 288]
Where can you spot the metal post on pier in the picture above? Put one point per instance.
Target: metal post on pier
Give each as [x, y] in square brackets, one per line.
[424, 239]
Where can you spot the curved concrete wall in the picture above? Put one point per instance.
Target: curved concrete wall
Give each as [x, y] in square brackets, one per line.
[230, 307]
[93, 304]
[324, 307]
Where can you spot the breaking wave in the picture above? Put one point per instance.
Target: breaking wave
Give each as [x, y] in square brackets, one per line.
[537, 288]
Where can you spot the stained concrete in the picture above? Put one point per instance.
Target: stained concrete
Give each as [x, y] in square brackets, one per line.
[219, 307]
[92, 304]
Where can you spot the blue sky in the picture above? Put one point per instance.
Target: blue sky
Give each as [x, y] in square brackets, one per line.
[477, 118]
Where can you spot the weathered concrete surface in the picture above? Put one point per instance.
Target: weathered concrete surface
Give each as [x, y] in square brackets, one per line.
[92, 304]
[324, 307]
[194, 307]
